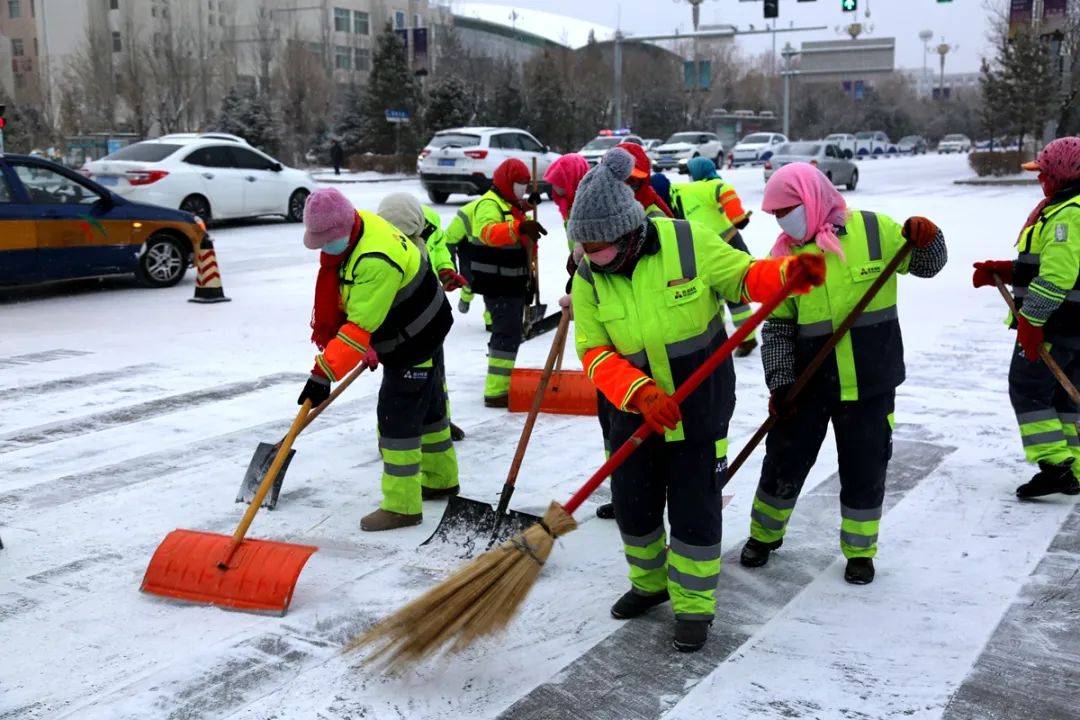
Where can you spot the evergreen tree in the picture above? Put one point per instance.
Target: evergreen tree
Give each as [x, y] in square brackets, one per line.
[350, 122]
[507, 107]
[249, 115]
[1030, 82]
[549, 110]
[994, 92]
[391, 86]
[448, 104]
[26, 127]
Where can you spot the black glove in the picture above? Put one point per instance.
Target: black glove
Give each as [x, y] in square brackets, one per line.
[317, 390]
[534, 198]
[779, 407]
[531, 229]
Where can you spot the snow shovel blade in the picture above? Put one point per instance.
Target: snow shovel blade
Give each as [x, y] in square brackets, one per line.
[260, 577]
[542, 325]
[256, 471]
[464, 524]
[514, 523]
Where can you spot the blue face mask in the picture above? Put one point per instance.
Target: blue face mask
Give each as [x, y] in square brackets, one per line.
[336, 247]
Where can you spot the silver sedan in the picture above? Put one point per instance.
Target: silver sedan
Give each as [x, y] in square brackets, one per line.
[827, 157]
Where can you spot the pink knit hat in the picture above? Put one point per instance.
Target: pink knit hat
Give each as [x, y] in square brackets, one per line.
[803, 184]
[328, 216]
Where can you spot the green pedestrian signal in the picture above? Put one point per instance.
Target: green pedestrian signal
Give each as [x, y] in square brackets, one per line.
[849, 5]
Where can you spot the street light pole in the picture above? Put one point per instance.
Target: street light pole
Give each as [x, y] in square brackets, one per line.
[787, 53]
[618, 78]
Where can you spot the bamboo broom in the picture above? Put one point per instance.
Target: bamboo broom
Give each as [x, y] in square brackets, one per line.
[482, 596]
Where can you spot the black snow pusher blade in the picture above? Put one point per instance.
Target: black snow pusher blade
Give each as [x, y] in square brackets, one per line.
[256, 471]
[469, 526]
[541, 326]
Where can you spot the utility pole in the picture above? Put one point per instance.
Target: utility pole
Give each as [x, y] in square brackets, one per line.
[618, 78]
[944, 49]
[787, 53]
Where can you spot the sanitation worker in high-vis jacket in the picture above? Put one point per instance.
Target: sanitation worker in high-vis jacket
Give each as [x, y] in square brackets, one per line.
[1047, 291]
[855, 388]
[499, 238]
[377, 300]
[646, 304]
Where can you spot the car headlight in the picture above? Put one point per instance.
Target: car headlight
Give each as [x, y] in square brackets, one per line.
[201, 223]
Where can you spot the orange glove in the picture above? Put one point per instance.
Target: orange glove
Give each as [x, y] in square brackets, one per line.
[766, 277]
[809, 269]
[920, 231]
[658, 408]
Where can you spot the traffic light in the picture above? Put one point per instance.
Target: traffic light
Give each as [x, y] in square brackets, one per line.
[772, 9]
[849, 5]
[3, 122]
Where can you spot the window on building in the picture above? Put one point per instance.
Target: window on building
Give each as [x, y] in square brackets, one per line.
[399, 20]
[363, 59]
[117, 45]
[14, 9]
[20, 81]
[361, 22]
[16, 47]
[341, 20]
[342, 57]
[114, 4]
[416, 20]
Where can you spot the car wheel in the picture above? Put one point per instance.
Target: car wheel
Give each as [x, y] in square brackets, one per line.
[853, 182]
[197, 205]
[720, 160]
[163, 262]
[437, 196]
[297, 201]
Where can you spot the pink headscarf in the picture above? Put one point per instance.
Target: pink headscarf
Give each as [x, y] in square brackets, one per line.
[566, 173]
[803, 184]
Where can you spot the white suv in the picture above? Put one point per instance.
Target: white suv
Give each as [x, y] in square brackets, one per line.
[212, 175]
[954, 144]
[463, 160]
[682, 147]
[599, 145]
[756, 148]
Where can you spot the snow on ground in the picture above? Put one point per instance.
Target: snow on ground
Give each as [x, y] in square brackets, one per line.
[129, 412]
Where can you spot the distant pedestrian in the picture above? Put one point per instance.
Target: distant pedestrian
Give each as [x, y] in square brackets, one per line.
[337, 156]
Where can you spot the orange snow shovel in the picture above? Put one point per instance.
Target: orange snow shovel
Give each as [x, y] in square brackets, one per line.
[232, 572]
[569, 392]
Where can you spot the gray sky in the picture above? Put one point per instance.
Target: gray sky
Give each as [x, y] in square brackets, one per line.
[961, 22]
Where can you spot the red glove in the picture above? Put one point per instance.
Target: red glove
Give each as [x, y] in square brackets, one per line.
[985, 271]
[811, 269]
[451, 280]
[371, 359]
[920, 231]
[659, 409]
[1029, 337]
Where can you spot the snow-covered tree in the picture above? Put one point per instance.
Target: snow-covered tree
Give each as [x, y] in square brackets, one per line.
[391, 86]
[350, 121]
[248, 114]
[448, 104]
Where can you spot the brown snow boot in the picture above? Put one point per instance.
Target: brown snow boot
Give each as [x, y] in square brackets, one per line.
[388, 520]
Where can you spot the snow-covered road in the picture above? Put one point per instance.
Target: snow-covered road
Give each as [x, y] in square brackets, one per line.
[127, 413]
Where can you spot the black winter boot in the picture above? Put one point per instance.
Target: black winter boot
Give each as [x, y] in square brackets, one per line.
[756, 553]
[746, 348]
[456, 433]
[633, 604]
[859, 571]
[606, 511]
[1049, 480]
[690, 635]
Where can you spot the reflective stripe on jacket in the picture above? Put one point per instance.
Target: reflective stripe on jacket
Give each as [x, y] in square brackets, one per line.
[700, 202]
[1050, 251]
[496, 271]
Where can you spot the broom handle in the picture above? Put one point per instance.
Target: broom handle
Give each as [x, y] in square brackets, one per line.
[823, 354]
[534, 260]
[538, 399]
[707, 368]
[271, 475]
[1043, 352]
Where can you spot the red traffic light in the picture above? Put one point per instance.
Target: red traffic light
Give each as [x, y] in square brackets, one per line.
[3, 122]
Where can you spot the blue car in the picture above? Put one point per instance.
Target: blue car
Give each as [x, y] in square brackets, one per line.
[56, 224]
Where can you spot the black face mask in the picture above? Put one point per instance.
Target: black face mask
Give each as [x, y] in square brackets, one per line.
[630, 247]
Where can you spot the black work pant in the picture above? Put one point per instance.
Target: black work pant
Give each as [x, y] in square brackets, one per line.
[863, 430]
[1045, 413]
[506, 338]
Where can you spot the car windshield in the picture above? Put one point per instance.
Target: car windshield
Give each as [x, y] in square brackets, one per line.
[690, 138]
[602, 143]
[953, 138]
[144, 152]
[756, 139]
[909, 139]
[453, 140]
[799, 149]
[864, 135]
[836, 136]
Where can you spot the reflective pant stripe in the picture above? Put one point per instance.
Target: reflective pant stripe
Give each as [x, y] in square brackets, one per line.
[766, 521]
[436, 426]
[775, 502]
[496, 370]
[386, 443]
[693, 582]
[695, 552]
[502, 354]
[860, 515]
[648, 563]
[1037, 416]
[437, 447]
[401, 470]
[1043, 438]
[643, 540]
[647, 556]
[858, 541]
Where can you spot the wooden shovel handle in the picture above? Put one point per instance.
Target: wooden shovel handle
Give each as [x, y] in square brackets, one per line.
[1051, 363]
[268, 481]
[341, 386]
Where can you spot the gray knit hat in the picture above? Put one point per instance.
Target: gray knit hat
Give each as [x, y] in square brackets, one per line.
[604, 205]
[403, 211]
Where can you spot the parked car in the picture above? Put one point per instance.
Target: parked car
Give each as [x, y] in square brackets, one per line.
[844, 141]
[954, 143]
[871, 143]
[463, 160]
[213, 175]
[755, 148]
[828, 158]
[687, 145]
[607, 139]
[912, 145]
[55, 224]
[650, 145]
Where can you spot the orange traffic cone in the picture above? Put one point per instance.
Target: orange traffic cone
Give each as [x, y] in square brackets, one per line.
[207, 276]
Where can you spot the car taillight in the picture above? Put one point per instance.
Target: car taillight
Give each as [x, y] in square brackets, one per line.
[476, 154]
[768, 165]
[424, 153]
[145, 177]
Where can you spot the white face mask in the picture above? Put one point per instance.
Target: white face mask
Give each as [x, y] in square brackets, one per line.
[794, 223]
[520, 189]
[336, 247]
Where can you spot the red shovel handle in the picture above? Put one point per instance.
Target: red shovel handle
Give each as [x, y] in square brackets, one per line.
[707, 368]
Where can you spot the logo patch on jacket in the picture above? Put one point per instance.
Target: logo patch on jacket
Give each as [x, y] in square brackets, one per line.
[1061, 233]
